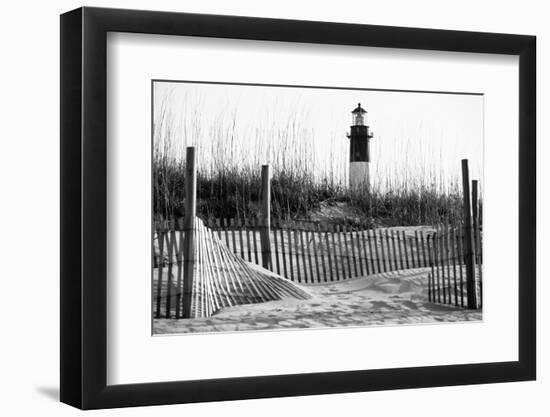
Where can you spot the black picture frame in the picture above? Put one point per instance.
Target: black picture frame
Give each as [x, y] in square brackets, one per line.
[84, 207]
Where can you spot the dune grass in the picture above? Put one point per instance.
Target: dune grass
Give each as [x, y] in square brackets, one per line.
[228, 176]
[233, 192]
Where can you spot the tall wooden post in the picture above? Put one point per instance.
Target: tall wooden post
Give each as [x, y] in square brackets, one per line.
[265, 230]
[189, 228]
[468, 238]
[477, 240]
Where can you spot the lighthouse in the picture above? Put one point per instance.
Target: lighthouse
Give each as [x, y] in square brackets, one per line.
[359, 155]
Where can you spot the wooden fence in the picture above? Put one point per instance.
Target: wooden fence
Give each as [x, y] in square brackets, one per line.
[221, 278]
[457, 253]
[312, 253]
[447, 281]
[305, 253]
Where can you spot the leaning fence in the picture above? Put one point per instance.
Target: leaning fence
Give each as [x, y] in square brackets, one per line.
[303, 252]
[313, 253]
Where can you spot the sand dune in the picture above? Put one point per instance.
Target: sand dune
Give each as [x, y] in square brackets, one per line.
[398, 297]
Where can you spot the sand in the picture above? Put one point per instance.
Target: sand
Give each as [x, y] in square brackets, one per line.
[392, 298]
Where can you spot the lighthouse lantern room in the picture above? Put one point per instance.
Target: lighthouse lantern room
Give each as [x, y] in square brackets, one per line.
[359, 154]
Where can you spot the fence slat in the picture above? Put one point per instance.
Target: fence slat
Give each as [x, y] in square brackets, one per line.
[388, 250]
[437, 262]
[446, 266]
[349, 251]
[247, 226]
[407, 264]
[337, 263]
[241, 241]
[415, 255]
[283, 250]
[424, 257]
[401, 259]
[297, 254]
[216, 266]
[385, 248]
[293, 276]
[431, 256]
[365, 251]
[197, 308]
[321, 252]
[314, 234]
[233, 227]
[460, 237]
[170, 241]
[441, 241]
[179, 278]
[346, 249]
[384, 259]
[310, 246]
[356, 248]
[226, 269]
[225, 226]
[209, 299]
[255, 240]
[376, 251]
[276, 250]
[360, 252]
[430, 287]
[353, 246]
[369, 255]
[219, 227]
[395, 255]
[329, 252]
[160, 239]
[305, 255]
[453, 256]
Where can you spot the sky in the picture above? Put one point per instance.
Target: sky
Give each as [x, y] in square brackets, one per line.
[249, 125]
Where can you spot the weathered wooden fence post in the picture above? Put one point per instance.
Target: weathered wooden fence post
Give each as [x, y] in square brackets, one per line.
[265, 230]
[477, 240]
[189, 228]
[468, 239]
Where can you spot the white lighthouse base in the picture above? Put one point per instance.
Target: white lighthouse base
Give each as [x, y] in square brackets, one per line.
[359, 179]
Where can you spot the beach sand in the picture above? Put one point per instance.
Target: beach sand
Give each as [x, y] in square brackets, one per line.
[393, 298]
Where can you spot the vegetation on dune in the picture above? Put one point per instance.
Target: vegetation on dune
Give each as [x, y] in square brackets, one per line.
[236, 193]
[229, 186]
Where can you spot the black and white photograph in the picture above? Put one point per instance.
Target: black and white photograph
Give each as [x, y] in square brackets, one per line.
[280, 207]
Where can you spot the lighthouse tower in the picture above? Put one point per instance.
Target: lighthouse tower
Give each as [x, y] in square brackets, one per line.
[359, 155]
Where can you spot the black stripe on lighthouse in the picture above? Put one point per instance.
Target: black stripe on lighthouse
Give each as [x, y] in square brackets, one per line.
[359, 144]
